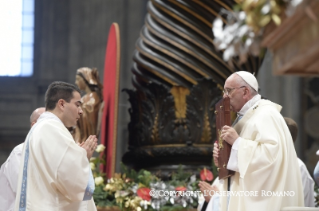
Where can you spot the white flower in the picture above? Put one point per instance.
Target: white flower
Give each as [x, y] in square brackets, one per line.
[107, 187]
[92, 166]
[98, 180]
[138, 209]
[100, 148]
[92, 159]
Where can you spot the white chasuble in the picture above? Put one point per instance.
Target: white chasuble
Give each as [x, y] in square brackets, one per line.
[54, 173]
[269, 176]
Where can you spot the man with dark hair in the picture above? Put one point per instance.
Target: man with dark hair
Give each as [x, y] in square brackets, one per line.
[59, 90]
[55, 173]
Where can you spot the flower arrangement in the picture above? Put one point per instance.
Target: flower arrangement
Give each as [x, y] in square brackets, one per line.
[316, 190]
[242, 34]
[138, 191]
[101, 197]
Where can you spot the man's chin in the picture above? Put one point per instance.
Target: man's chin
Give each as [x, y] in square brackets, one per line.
[70, 125]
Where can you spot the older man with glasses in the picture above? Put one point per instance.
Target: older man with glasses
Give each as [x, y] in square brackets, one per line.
[263, 155]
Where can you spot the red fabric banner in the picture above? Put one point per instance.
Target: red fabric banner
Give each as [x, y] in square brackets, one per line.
[110, 96]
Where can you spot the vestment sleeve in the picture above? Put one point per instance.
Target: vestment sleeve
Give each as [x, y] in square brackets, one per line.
[308, 185]
[13, 167]
[262, 149]
[233, 158]
[66, 165]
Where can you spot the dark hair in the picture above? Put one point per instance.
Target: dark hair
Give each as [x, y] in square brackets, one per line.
[59, 90]
[293, 128]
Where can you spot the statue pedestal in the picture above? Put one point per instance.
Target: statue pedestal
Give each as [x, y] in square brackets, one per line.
[295, 43]
[169, 128]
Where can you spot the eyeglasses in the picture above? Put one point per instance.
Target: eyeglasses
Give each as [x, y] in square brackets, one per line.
[228, 91]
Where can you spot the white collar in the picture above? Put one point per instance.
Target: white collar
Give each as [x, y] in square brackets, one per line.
[49, 115]
[249, 104]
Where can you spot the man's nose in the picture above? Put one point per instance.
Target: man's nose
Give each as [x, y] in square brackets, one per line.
[80, 110]
[224, 95]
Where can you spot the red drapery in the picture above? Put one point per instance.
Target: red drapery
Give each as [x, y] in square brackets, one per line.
[110, 96]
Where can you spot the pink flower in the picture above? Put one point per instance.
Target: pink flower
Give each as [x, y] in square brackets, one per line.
[206, 175]
[144, 193]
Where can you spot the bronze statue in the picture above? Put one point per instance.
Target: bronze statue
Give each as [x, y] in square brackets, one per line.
[87, 79]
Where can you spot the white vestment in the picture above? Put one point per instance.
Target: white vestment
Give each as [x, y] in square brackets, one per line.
[8, 179]
[308, 185]
[54, 173]
[266, 161]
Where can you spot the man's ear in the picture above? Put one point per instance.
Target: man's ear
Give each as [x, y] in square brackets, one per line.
[247, 91]
[60, 104]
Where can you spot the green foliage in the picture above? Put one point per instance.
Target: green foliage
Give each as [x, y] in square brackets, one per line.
[214, 170]
[173, 208]
[142, 177]
[180, 178]
[181, 174]
[98, 161]
[122, 190]
[145, 177]
[130, 173]
[316, 188]
[103, 198]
